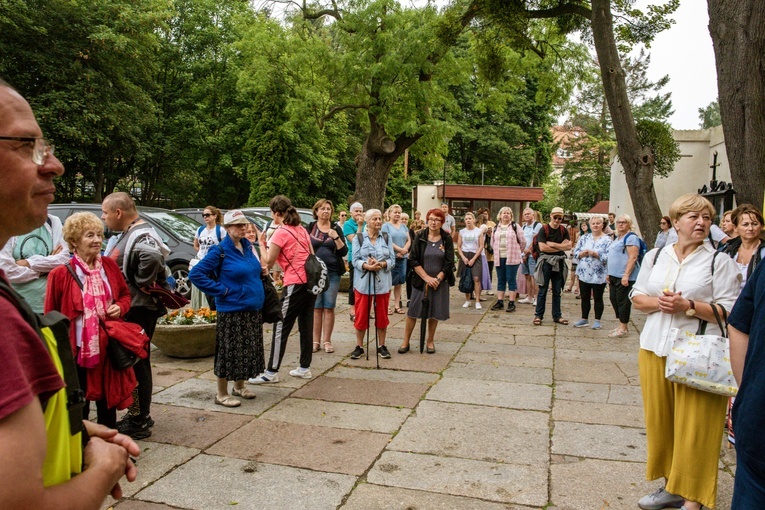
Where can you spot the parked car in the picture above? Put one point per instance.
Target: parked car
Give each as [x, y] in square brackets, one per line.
[176, 230]
[195, 213]
[306, 215]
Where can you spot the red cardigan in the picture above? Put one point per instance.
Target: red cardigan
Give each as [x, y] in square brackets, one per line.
[64, 295]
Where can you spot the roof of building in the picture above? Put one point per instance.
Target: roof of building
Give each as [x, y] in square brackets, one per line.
[478, 192]
[601, 207]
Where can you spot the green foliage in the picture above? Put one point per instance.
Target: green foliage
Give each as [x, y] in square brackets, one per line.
[658, 137]
[709, 116]
[586, 177]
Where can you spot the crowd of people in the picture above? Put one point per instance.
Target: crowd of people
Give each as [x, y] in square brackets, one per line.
[695, 272]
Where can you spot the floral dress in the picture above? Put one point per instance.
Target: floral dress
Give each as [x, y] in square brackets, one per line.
[592, 270]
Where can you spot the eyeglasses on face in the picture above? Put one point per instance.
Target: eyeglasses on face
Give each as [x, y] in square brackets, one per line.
[557, 218]
[207, 215]
[621, 222]
[41, 150]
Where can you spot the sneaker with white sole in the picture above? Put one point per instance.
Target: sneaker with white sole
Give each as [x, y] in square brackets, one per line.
[581, 323]
[357, 352]
[524, 301]
[466, 305]
[478, 305]
[534, 302]
[302, 373]
[596, 325]
[659, 499]
[264, 378]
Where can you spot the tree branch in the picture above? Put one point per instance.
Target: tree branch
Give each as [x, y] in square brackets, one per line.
[335, 109]
[565, 8]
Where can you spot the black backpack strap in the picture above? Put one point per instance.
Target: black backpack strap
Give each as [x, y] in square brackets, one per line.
[656, 257]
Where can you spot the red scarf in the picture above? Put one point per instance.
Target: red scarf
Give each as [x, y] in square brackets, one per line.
[96, 298]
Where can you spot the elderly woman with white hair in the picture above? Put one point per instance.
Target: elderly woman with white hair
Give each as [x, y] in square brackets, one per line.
[373, 260]
[623, 270]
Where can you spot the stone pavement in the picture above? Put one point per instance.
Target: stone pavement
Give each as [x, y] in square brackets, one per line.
[504, 415]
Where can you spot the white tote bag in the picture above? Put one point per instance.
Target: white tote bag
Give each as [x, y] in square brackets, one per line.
[702, 361]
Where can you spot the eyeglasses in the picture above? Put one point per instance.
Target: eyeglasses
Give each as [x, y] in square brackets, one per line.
[41, 151]
[207, 215]
[557, 218]
[621, 222]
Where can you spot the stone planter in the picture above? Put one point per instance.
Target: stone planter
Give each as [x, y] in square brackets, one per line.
[194, 341]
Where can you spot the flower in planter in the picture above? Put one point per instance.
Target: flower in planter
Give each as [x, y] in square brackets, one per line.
[188, 317]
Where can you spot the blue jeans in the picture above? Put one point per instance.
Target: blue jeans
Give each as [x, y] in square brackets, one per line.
[749, 486]
[507, 276]
[556, 278]
[328, 298]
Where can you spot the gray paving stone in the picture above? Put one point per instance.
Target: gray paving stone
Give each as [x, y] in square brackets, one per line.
[605, 414]
[609, 442]
[505, 483]
[210, 482]
[585, 355]
[532, 375]
[600, 343]
[398, 376]
[368, 496]
[589, 371]
[625, 395]
[139, 505]
[165, 377]
[584, 392]
[589, 484]
[155, 460]
[167, 362]
[191, 427]
[510, 350]
[509, 360]
[361, 391]
[490, 338]
[493, 393]
[476, 432]
[339, 415]
[305, 446]
[200, 394]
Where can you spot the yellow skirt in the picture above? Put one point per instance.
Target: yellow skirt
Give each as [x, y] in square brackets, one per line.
[684, 428]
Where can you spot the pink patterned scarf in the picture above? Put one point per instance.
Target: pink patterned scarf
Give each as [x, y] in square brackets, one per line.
[95, 299]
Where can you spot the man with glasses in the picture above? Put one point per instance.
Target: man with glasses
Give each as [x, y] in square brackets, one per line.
[35, 439]
[554, 241]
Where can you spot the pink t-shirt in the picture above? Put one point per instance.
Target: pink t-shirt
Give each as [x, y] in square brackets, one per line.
[295, 247]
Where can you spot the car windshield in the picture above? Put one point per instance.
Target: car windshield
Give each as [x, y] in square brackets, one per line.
[183, 227]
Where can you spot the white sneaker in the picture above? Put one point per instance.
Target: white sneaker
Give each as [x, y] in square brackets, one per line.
[264, 379]
[660, 499]
[302, 373]
[478, 305]
[524, 301]
[534, 302]
[466, 305]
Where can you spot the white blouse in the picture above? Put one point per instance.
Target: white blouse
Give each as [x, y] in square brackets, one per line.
[694, 278]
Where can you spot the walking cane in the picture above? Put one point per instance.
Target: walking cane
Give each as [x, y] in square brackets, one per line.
[377, 345]
[424, 318]
[369, 313]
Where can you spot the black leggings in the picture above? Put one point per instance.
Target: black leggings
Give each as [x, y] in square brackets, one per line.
[105, 415]
[620, 298]
[297, 304]
[147, 319]
[596, 290]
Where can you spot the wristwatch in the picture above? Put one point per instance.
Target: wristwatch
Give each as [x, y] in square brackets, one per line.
[691, 311]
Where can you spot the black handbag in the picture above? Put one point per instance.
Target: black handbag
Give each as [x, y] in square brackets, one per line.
[466, 281]
[272, 305]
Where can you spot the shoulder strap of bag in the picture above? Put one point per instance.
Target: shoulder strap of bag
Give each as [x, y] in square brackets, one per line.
[217, 232]
[199, 230]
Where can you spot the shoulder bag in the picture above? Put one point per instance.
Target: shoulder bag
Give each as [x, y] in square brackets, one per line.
[702, 361]
[316, 272]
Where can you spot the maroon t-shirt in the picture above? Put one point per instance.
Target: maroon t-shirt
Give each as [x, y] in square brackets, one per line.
[26, 369]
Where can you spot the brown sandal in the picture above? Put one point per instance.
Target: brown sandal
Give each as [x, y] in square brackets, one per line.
[537, 321]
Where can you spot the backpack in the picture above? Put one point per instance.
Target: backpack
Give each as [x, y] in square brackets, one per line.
[642, 248]
[63, 410]
[316, 272]
[535, 242]
[217, 232]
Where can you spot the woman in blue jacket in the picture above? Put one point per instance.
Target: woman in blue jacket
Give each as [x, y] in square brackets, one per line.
[231, 272]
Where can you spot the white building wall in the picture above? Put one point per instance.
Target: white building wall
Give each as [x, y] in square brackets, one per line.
[691, 172]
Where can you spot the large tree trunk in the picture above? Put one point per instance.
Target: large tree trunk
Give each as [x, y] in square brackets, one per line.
[374, 162]
[737, 28]
[637, 160]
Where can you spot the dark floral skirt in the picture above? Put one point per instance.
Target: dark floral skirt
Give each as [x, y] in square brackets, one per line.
[239, 345]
